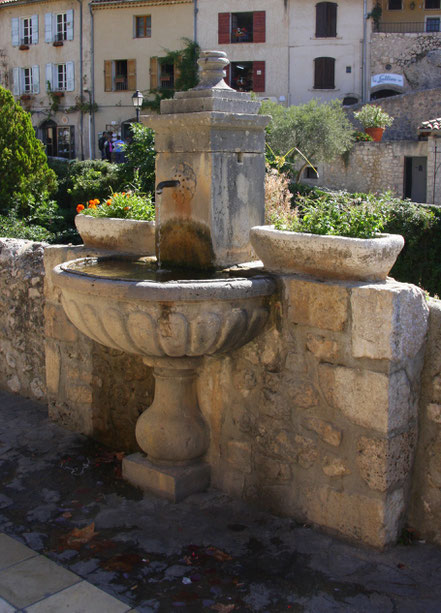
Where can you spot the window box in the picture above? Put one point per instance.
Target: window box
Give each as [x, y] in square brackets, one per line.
[23, 47]
[58, 43]
[58, 94]
[25, 97]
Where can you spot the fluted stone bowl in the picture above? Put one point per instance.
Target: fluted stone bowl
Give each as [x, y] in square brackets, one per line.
[165, 319]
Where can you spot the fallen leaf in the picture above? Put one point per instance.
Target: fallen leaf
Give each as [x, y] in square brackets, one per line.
[78, 537]
[218, 554]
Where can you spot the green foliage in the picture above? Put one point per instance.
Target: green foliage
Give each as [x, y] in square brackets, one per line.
[12, 227]
[140, 160]
[185, 62]
[373, 116]
[337, 214]
[362, 137]
[24, 170]
[122, 205]
[92, 177]
[319, 131]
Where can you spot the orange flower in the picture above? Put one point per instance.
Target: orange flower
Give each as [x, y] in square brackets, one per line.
[127, 208]
[90, 201]
[92, 205]
[80, 207]
[124, 193]
[108, 202]
[96, 201]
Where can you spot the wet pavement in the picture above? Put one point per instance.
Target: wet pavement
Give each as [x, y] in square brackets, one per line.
[62, 496]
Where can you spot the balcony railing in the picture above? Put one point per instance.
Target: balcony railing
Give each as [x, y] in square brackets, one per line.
[409, 27]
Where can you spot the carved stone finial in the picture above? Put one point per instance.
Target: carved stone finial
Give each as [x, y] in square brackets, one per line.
[212, 66]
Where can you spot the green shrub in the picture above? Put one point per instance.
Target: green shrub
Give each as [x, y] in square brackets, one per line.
[92, 177]
[121, 205]
[373, 116]
[139, 162]
[23, 164]
[12, 227]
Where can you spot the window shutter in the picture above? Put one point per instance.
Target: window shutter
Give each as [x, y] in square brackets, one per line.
[332, 19]
[258, 76]
[259, 27]
[134, 26]
[48, 28]
[35, 79]
[326, 20]
[223, 33]
[131, 75]
[70, 76]
[69, 24]
[320, 20]
[16, 81]
[324, 73]
[34, 22]
[15, 31]
[108, 76]
[227, 77]
[55, 80]
[49, 79]
[153, 73]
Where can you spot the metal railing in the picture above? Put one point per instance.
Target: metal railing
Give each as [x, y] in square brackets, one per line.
[415, 27]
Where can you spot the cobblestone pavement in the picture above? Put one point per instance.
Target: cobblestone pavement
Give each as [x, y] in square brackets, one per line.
[62, 496]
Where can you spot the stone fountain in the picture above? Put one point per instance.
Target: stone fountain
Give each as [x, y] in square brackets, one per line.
[210, 166]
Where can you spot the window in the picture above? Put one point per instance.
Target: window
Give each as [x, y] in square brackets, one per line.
[324, 73]
[162, 75]
[58, 26]
[24, 30]
[60, 77]
[142, 26]
[241, 27]
[394, 5]
[433, 24]
[432, 4]
[326, 20]
[246, 76]
[59, 141]
[26, 80]
[119, 75]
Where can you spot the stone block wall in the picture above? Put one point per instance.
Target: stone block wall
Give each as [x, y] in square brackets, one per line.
[374, 167]
[315, 419]
[22, 367]
[425, 509]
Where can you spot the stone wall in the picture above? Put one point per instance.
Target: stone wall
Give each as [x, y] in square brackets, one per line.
[425, 509]
[415, 56]
[21, 318]
[373, 167]
[315, 419]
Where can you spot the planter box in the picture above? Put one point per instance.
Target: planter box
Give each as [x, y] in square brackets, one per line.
[119, 235]
[375, 133]
[23, 47]
[326, 257]
[58, 43]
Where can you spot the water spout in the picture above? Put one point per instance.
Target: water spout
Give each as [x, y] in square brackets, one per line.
[162, 184]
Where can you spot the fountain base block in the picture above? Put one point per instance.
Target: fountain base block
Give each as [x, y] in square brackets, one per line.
[173, 483]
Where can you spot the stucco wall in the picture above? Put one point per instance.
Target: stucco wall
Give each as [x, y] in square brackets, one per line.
[316, 418]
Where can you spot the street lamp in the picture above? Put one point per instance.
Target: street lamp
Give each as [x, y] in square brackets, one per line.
[137, 99]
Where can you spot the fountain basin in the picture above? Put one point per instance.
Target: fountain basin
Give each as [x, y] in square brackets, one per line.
[175, 319]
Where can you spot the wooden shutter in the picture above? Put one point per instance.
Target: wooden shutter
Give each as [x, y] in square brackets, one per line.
[34, 22]
[153, 73]
[224, 30]
[131, 75]
[258, 76]
[324, 73]
[70, 76]
[36, 79]
[15, 31]
[48, 38]
[259, 27]
[326, 20]
[49, 80]
[108, 75]
[16, 81]
[69, 25]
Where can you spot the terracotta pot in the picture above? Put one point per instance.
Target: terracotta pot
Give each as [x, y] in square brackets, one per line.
[117, 235]
[376, 133]
[326, 257]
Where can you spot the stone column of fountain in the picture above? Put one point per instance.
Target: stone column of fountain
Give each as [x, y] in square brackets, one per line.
[210, 164]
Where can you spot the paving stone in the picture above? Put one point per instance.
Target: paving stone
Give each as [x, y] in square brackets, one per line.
[12, 552]
[5, 607]
[80, 598]
[32, 580]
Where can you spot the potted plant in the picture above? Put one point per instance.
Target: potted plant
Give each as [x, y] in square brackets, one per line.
[374, 120]
[124, 223]
[329, 236]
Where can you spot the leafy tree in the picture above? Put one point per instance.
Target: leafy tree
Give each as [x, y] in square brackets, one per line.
[320, 131]
[23, 164]
[139, 166]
